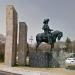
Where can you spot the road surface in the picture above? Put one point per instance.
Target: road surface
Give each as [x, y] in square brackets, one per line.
[7, 73]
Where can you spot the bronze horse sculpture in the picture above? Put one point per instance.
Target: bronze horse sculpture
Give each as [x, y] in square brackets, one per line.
[55, 35]
[48, 36]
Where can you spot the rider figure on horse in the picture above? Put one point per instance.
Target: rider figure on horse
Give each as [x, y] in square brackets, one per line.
[47, 30]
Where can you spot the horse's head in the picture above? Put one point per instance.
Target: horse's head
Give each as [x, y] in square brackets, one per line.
[60, 34]
[57, 35]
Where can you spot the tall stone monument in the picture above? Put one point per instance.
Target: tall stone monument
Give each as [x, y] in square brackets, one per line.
[11, 36]
[22, 43]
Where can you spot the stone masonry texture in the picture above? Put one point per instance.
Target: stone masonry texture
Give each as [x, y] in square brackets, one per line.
[22, 50]
[39, 59]
[11, 36]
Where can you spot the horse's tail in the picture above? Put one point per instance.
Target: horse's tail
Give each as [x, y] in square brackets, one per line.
[36, 37]
[36, 42]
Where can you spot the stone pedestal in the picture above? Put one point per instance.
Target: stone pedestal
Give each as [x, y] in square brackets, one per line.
[39, 59]
[11, 36]
[22, 50]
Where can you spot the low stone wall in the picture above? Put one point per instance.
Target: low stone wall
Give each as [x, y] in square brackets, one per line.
[39, 59]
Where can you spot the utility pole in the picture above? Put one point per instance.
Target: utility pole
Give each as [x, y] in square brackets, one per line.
[31, 39]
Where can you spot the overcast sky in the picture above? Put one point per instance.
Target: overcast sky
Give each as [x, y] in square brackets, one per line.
[60, 12]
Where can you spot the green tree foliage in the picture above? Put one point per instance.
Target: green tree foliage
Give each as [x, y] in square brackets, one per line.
[73, 46]
[68, 45]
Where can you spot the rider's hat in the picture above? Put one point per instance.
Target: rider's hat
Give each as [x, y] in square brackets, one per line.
[46, 21]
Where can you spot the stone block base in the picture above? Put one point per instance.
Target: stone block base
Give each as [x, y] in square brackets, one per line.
[39, 59]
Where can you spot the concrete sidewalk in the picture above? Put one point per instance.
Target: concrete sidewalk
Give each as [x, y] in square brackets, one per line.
[35, 71]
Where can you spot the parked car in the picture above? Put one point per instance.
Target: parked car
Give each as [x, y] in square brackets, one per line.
[70, 61]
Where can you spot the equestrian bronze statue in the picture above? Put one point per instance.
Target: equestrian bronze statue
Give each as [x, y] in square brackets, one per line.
[49, 36]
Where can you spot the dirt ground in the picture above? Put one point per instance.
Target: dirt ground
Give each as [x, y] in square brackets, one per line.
[60, 71]
[43, 71]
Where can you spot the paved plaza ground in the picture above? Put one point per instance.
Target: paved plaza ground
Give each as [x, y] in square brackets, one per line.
[5, 70]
